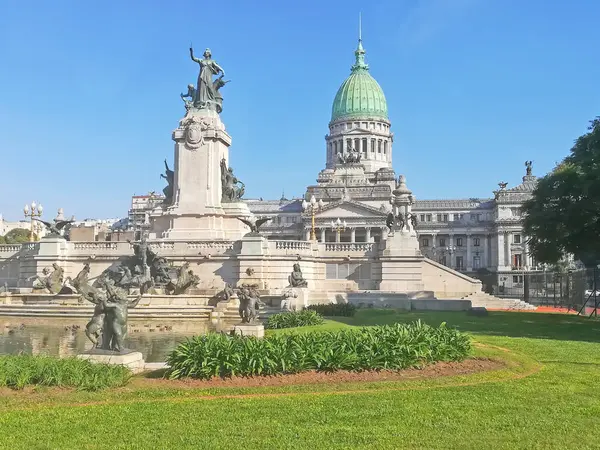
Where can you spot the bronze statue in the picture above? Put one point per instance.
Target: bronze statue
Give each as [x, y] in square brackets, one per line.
[254, 223]
[218, 84]
[351, 157]
[389, 221]
[413, 220]
[206, 92]
[528, 167]
[231, 192]
[169, 175]
[57, 228]
[502, 185]
[186, 279]
[249, 302]
[191, 94]
[226, 293]
[110, 314]
[296, 279]
[41, 282]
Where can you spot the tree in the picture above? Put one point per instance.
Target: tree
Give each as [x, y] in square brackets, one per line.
[563, 215]
[17, 236]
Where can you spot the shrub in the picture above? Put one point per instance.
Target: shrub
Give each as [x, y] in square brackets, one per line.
[18, 371]
[395, 347]
[334, 309]
[294, 319]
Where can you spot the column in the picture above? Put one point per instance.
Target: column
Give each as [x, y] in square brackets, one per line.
[501, 262]
[507, 259]
[484, 257]
[368, 234]
[469, 263]
[352, 234]
[451, 254]
[525, 253]
[323, 230]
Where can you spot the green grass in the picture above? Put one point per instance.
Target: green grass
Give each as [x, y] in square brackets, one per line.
[19, 371]
[548, 397]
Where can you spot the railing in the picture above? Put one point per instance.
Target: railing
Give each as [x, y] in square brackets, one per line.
[349, 247]
[210, 245]
[94, 246]
[10, 248]
[162, 245]
[292, 245]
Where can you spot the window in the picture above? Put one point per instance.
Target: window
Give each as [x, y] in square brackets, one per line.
[478, 217]
[364, 145]
[517, 239]
[372, 145]
[476, 242]
[518, 260]
[517, 279]
[476, 262]
[442, 242]
[428, 217]
[459, 263]
[459, 242]
[445, 218]
[378, 146]
[384, 147]
[335, 147]
[425, 242]
[439, 217]
[422, 217]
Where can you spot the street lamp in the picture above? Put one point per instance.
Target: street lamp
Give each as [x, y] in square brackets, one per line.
[450, 249]
[338, 226]
[32, 211]
[312, 207]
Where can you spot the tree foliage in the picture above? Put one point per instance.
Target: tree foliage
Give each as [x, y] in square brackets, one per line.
[17, 236]
[563, 215]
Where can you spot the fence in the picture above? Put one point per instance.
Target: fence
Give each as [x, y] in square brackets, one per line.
[570, 289]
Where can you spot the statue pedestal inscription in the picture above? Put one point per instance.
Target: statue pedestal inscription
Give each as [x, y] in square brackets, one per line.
[128, 358]
[250, 329]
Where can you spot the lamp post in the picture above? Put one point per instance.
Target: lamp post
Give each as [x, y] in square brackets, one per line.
[312, 207]
[338, 226]
[31, 212]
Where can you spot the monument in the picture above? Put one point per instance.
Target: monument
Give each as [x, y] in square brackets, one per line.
[203, 197]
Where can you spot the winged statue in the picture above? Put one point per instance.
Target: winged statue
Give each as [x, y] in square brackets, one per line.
[254, 223]
[56, 228]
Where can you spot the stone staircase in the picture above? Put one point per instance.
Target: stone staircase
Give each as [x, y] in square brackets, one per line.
[487, 301]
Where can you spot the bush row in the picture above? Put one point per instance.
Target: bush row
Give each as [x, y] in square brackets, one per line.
[294, 319]
[18, 371]
[397, 346]
[334, 309]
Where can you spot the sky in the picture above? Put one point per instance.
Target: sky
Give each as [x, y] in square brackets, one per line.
[89, 91]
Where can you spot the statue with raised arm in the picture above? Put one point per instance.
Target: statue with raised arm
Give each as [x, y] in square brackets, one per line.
[206, 93]
[528, 167]
[169, 175]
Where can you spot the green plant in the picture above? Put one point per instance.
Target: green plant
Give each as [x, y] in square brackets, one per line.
[18, 371]
[396, 346]
[294, 319]
[334, 309]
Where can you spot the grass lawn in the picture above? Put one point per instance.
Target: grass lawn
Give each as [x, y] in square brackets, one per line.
[548, 396]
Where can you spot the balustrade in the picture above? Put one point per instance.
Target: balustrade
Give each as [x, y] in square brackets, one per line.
[292, 245]
[349, 247]
[94, 246]
[10, 248]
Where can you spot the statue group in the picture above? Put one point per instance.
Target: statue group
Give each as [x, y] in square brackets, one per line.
[401, 220]
[110, 292]
[232, 188]
[206, 94]
[169, 176]
[352, 156]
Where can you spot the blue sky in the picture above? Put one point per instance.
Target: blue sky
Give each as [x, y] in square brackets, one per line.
[90, 91]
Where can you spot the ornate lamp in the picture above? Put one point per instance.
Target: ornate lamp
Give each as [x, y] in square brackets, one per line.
[338, 226]
[31, 212]
[312, 207]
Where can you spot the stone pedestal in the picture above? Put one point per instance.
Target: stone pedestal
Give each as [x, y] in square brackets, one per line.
[401, 263]
[249, 329]
[197, 211]
[295, 299]
[128, 358]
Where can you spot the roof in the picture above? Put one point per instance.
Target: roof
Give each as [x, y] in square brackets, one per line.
[469, 203]
[274, 206]
[359, 95]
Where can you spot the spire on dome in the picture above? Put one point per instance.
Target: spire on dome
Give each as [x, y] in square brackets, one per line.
[360, 51]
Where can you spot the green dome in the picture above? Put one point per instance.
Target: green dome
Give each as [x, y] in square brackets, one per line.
[360, 95]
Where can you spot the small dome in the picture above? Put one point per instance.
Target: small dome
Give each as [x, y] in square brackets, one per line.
[359, 95]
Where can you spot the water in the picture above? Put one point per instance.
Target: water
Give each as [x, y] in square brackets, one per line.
[66, 337]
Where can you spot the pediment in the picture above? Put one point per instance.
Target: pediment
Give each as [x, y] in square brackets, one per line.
[348, 209]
